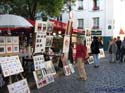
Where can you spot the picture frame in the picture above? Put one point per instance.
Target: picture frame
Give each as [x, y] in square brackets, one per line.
[2, 49]
[50, 27]
[15, 49]
[15, 40]
[49, 41]
[2, 40]
[40, 82]
[38, 26]
[66, 43]
[19, 87]
[44, 24]
[9, 49]
[9, 40]
[40, 43]
[50, 68]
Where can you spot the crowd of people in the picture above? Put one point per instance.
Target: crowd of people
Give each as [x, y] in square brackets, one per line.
[116, 50]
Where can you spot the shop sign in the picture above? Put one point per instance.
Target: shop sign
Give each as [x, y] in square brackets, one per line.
[96, 32]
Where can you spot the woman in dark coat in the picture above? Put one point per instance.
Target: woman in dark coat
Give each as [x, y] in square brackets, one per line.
[95, 51]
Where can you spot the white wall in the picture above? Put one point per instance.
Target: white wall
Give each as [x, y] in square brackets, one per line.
[109, 14]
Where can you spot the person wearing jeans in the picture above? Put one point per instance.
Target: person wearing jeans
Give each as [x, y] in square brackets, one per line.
[96, 59]
[95, 51]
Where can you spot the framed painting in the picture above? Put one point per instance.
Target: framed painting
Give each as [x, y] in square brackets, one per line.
[15, 40]
[2, 40]
[15, 48]
[9, 40]
[9, 49]
[50, 27]
[2, 49]
[49, 41]
[38, 26]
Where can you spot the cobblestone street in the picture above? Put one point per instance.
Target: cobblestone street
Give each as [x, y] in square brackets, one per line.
[108, 78]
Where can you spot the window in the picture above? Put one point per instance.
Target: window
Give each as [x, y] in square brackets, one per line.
[96, 23]
[96, 4]
[80, 4]
[80, 23]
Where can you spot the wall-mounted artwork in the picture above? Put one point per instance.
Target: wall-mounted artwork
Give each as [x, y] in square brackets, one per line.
[15, 40]
[66, 43]
[15, 48]
[40, 26]
[38, 62]
[40, 43]
[9, 40]
[2, 40]
[50, 26]
[9, 49]
[49, 41]
[2, 49]
[50, 68]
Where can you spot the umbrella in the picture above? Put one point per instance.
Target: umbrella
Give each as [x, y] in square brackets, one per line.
[13, 21]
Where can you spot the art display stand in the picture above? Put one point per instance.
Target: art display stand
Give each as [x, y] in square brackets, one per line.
[68, 67]
[43, 70]
[11, 66]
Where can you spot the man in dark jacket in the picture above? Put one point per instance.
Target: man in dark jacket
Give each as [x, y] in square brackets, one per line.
[118, 43]
[95, 51]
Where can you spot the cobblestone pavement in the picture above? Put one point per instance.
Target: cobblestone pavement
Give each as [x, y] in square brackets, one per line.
[108, 78]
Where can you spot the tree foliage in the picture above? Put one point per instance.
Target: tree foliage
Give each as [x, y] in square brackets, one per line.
[28, 8]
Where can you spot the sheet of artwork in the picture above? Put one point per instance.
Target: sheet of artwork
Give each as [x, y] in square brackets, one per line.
[40, 26]
[19, 87]
[88, 43]
[66, 43]
[50, 27]
[49, 41]
[9, 49]
[15, 40]
[67, 70]
[11, 65]
[101, 54]
[2, 49]
[40, 43]
[2, 40]
[38, 62]
[41, 80]
[9, 40]
[15, 48]
[50, 68]
[90, 60]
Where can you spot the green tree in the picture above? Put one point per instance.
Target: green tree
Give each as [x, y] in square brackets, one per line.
[28, 8]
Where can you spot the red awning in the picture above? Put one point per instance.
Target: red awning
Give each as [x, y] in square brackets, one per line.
[59, 25]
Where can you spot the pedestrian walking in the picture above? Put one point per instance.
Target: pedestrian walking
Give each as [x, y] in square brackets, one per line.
[112, 49]
[95, 51]
[122, 50]
[118, 43]
[81, 52]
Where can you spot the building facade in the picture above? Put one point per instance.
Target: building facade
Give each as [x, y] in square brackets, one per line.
[101, 17]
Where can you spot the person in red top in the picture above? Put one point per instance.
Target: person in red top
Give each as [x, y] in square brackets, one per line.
[81, 52]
